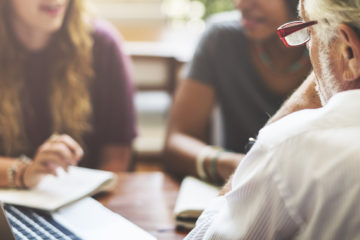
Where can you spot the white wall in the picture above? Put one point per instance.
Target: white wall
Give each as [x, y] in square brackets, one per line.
[138, 20]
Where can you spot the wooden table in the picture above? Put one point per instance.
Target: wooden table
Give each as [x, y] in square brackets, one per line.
[146, 199]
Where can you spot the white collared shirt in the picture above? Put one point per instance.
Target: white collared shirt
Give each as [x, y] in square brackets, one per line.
[301, 180]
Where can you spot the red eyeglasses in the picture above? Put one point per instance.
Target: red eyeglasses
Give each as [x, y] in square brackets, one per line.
[295, 33]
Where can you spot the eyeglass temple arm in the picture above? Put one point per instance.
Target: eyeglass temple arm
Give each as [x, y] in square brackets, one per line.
[285, 31]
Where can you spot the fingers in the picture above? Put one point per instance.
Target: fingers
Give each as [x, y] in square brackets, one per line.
[70, 143]
[45, 165]
[58, 151]
[53, 154]
[74, 147]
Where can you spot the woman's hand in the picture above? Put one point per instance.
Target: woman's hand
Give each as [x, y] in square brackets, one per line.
[227, 163]
[58, 151]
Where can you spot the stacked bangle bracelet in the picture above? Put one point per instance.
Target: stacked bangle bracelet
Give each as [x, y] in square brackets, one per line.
[213, 170]
[16, 172]
[25, 161]
[212, 152]
[203, 154]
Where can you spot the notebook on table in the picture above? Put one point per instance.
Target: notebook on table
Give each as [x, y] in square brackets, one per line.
[55, 192]
[194, 196]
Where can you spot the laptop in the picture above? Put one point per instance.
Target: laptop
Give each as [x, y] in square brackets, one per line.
[22, 223]
[73, 222]
[5, 229]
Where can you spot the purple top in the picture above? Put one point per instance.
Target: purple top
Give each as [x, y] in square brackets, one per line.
[111, 96]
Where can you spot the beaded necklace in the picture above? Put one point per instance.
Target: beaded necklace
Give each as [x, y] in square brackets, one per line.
[296, 66]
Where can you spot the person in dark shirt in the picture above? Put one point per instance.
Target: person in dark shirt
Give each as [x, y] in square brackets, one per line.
[66, 91]
[241, 66]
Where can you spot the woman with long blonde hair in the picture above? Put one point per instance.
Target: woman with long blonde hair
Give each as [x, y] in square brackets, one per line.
[65, 91]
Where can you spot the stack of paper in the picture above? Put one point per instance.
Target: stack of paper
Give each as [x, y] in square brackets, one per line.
[194, 196]
[55, 192]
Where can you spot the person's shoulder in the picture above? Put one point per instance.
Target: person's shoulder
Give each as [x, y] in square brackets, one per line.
[108, 48]
[225, 22]
[340, 112]
[223, 29]
[290, 127]
[105, 33]
[224, 17]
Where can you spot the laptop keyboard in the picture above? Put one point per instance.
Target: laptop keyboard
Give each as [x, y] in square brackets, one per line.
[31, 224]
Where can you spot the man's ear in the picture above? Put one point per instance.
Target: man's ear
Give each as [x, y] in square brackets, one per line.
[350, 52]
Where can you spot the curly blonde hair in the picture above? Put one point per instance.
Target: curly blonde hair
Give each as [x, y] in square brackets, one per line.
[71, 73]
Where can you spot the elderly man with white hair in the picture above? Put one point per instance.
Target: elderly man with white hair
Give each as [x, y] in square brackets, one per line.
[301, 178]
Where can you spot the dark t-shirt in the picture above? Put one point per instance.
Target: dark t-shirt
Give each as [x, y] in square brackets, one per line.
[113, 119]
[222, 61]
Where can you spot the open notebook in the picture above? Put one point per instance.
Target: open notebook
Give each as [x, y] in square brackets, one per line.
[55, 192]
[194, 196]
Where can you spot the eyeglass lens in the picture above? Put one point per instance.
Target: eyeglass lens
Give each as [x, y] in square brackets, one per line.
[297, 38]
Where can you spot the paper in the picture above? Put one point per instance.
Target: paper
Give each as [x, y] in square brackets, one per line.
[194, 196]
[99, 223]
[55, 192]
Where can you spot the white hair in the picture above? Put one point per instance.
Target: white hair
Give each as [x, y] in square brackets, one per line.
[330, 13]
[326, 85]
